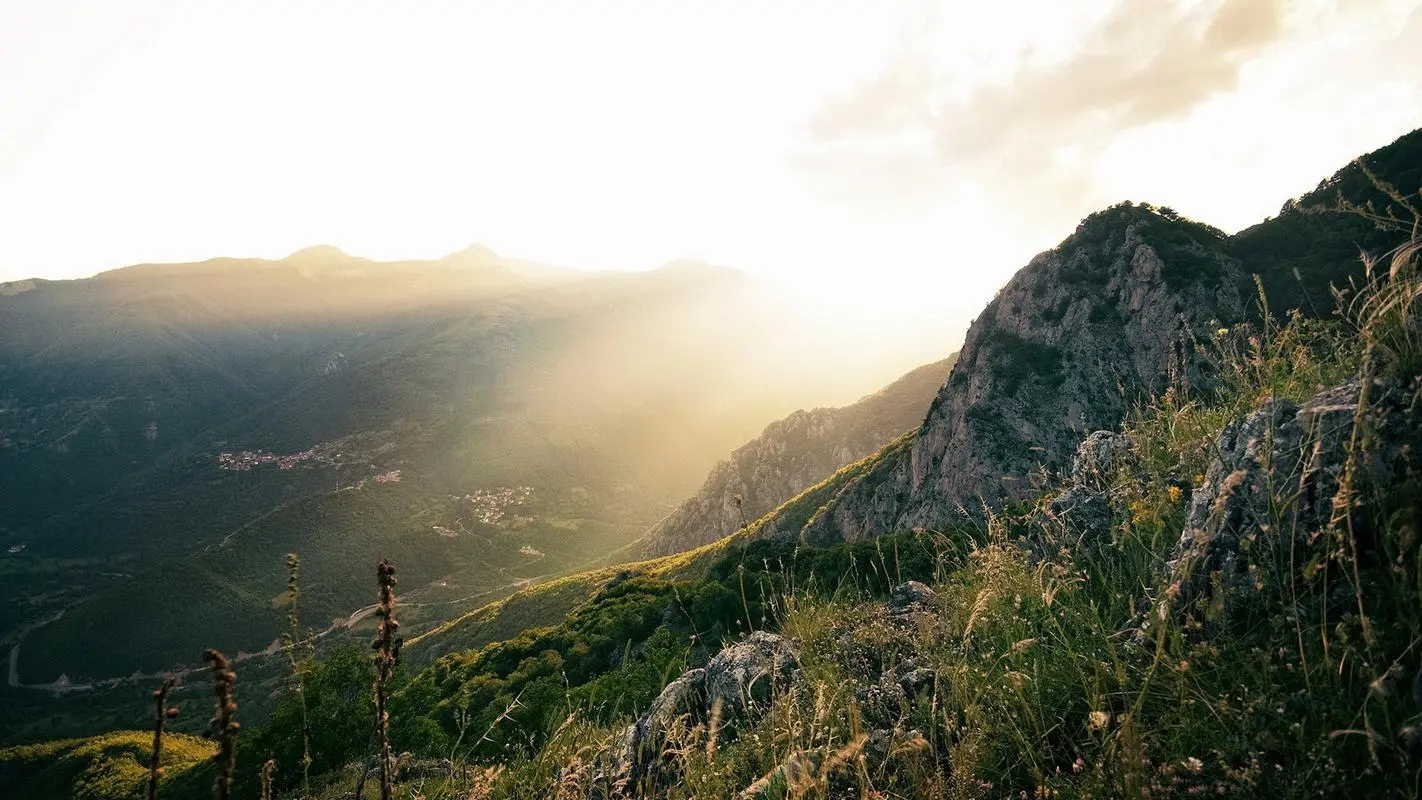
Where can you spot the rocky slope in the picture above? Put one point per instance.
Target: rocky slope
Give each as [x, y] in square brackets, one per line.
[792, 454]
[1280, 463]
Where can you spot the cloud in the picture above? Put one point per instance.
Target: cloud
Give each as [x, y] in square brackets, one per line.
[1034, 138]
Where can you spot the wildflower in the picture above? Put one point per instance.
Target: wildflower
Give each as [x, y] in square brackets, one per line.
[1380, 687]
[1194, 764]
[1098, 720]
[1140, 512]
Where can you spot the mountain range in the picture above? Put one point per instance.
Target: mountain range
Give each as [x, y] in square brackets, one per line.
[168, 432]
[1093, 483]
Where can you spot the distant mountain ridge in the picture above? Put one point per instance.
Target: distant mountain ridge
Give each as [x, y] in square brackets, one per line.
[185, 426]
[789, 456]
[476, 265]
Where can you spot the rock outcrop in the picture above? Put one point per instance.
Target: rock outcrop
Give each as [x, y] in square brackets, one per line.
[910, 598]
[730, 691]
[1074, 339]
[735, 688]
[911, 609]
[1079, 516]
[792, 454]
[1274, 493]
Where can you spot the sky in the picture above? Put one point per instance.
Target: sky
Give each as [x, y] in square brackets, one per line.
[887, 159]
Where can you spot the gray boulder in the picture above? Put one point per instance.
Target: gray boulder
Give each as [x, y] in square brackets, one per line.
[741, 680]
[1270, 496]
[910, 598]
[1097, 459]
[1255, 456]
[731, 691]
[1079, 517]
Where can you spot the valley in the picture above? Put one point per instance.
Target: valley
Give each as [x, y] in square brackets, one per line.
[390, 409]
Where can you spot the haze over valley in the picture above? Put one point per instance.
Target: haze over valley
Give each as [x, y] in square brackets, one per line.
[499, 420]
[674, 401]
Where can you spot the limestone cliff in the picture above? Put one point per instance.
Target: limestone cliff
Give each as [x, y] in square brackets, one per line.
[791, 454]
[1067, 346]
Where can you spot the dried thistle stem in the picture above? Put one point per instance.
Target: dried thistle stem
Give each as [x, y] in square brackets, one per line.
[161, 714]
[299, 654]
[224, 723]
[387, 655]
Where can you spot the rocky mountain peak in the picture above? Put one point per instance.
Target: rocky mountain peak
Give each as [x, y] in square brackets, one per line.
[321, 253]
[1067, 346]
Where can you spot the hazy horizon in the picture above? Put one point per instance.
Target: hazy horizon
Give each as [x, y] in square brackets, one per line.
[934, 147]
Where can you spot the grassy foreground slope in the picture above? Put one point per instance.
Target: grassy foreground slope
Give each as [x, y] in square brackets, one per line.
[1061, 665]
[1058, 665]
